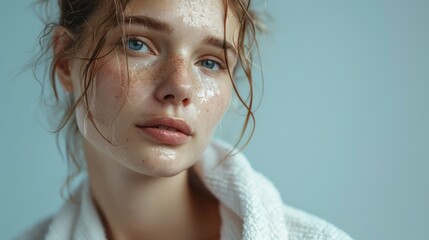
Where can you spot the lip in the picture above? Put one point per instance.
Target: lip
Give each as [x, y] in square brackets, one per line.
[166, 130]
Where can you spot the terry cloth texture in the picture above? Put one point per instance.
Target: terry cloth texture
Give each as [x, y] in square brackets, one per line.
[250, 207]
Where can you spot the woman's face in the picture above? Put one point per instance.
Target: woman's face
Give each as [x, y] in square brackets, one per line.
[159, 99]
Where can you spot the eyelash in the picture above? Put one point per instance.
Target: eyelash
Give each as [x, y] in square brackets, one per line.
[220, 66]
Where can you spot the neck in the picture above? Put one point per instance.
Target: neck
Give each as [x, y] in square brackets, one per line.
[136, 206]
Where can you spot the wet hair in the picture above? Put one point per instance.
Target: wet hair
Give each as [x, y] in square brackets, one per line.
[73, 16]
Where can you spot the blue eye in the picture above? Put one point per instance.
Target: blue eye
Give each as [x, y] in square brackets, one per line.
[137, 45]
[210, 64]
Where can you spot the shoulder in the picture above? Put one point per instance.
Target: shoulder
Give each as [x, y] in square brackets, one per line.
[36, 232]
[302, 225]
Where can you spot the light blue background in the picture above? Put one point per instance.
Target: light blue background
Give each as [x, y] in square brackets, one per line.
[342, 131]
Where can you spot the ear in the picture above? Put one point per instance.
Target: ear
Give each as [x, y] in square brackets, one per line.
[61, 40]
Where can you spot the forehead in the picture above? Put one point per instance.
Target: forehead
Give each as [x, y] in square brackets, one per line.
[206, 15]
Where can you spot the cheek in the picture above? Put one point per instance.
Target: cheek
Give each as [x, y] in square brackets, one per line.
[209, 90]
[109, 91]
[141, 77]
[214, 96]
[222, 104]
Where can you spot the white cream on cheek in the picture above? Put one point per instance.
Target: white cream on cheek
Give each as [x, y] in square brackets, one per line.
[208, 89]
[167, 154]
[212, 97]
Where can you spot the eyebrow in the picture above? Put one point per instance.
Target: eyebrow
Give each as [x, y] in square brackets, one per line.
[220, 43]
[159, 25]
[149, 22]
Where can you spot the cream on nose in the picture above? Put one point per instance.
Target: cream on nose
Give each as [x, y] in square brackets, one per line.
[175, 85]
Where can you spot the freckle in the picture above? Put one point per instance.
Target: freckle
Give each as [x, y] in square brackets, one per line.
[127, 140]
[178, 61]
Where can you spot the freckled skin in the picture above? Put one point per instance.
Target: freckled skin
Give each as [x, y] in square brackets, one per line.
[136, 182]
[121, 99]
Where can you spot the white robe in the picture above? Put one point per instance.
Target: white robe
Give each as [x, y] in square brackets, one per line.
[250, 207]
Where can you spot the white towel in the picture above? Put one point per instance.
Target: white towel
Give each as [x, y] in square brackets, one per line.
[256, 204]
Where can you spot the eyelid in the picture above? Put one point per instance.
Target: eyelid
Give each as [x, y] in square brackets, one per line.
[146, 41]
[221, 63]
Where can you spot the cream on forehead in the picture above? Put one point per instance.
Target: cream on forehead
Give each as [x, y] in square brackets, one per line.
[200, 13]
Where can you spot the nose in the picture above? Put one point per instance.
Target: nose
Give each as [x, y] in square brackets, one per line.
[175, 86]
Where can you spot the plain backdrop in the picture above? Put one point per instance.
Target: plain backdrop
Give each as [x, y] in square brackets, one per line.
[342, 130]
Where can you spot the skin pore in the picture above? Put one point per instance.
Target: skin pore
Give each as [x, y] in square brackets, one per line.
[173, 66]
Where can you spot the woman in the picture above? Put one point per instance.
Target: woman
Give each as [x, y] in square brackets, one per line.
[148, 81]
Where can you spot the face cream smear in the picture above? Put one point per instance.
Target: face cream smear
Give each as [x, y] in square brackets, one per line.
[199, 13]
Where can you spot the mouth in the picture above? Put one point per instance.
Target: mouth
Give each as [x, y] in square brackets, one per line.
[166, 130]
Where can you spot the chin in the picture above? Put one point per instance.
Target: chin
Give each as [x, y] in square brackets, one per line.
[159, 167]
[164, 172]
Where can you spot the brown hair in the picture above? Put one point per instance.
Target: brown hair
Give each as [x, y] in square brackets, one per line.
[73, 17]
